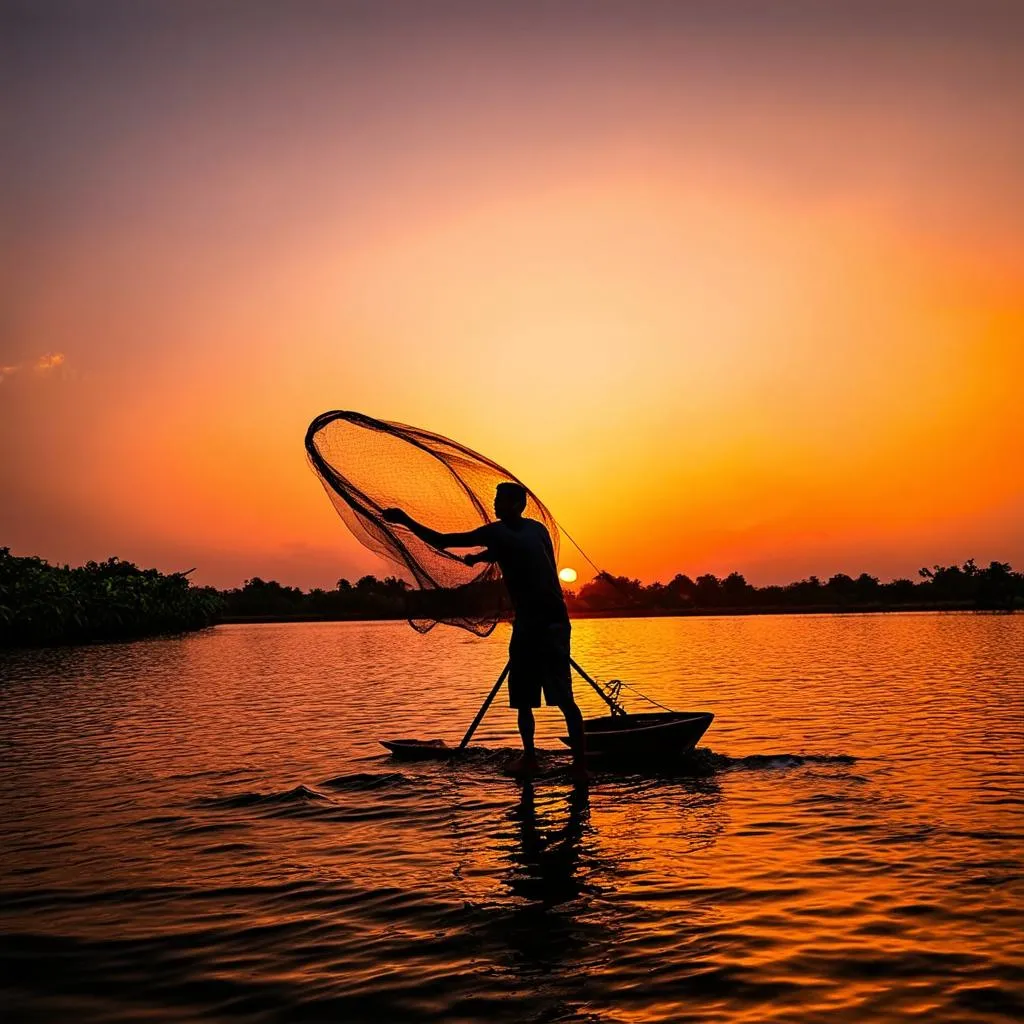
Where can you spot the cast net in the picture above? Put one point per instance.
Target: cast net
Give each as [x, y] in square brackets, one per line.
[368, 465]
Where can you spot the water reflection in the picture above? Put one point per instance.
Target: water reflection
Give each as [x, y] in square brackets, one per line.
[553, 929]
[546, 859]
[850, 850]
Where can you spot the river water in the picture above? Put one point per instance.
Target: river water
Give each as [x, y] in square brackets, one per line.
[206, 828]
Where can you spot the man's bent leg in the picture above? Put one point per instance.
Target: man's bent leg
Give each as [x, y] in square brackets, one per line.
[574, 725]
[527, 727]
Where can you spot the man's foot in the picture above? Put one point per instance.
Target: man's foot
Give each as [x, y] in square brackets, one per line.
[524, 767]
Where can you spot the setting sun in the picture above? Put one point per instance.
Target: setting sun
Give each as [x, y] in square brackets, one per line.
[328, 328]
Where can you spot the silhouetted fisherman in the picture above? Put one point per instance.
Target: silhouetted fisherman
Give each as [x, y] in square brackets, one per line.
[539, 650]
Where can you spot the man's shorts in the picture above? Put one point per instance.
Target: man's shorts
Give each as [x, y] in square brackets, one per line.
[538, 655]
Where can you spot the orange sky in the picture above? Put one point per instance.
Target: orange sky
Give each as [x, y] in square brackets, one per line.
[729, 288]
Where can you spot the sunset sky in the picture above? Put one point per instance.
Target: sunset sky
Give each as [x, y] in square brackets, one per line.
[731, 286]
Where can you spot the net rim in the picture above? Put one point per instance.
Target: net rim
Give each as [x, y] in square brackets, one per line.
[403, 432]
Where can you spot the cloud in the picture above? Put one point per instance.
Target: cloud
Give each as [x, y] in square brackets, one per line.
[43, 365]
[50, 361]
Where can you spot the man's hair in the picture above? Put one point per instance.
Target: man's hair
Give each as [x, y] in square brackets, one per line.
[514, 492]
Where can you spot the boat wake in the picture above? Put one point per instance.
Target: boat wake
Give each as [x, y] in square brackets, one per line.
[303, 800]
[703, 761]
[758, 762]
[299, 795]
[363, 782]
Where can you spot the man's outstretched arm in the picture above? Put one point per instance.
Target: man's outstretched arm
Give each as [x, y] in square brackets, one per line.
[470, 539]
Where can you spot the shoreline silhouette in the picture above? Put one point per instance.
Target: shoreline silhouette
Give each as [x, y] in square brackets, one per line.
[102, 602]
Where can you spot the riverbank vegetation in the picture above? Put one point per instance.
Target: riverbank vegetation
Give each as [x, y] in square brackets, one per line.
[43, 604]
[995, 588]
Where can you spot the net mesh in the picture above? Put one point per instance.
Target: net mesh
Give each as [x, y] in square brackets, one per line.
[368, 465]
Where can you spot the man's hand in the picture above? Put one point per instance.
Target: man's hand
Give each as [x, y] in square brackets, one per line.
[395, 515]
[479, 556]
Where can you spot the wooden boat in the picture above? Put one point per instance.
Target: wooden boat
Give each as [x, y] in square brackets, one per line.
[655, 736]
[649, 736]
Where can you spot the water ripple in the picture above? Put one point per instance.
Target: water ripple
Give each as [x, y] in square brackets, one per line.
[206, 827]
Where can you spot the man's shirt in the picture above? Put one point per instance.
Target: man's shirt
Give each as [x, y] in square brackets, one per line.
[526, 556]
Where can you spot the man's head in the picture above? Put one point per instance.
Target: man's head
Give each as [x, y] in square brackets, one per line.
[509, 500]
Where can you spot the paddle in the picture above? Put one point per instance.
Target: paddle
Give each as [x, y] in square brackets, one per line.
[487, 703]
[439, 749]
[616, 709]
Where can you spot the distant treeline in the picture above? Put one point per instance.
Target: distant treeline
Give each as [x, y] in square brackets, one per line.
[966, 586]
[996, 587]
[43, 604]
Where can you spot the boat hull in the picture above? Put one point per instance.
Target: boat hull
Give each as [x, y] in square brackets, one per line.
[655, 736]
[420, 750]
